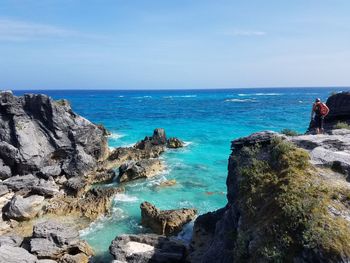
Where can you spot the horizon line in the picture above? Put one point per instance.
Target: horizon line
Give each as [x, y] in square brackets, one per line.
[179, 89]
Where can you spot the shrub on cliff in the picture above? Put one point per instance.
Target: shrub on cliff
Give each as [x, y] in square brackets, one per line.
[289, 132]
[342, 125]
[285, 208]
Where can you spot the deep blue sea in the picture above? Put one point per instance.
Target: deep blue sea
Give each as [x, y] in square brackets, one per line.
[207, 120]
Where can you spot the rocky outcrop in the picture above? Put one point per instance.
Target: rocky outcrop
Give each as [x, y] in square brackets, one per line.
[339, 111]
[280, 207]
[339, 106]
[40, 135]
[11, 240]
[132, 170]
[330, 150]
[10, 254]
[174, 143]
[51, 240]
[96, 202]
[24, 208]
[165, 222]
[147, 248]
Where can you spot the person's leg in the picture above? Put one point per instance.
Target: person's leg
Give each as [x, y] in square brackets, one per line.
[318, 124]
[321, 124]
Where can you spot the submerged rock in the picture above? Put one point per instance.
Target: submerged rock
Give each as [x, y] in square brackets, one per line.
[24, 208]
[147, 248]
[165, 222]
[142, 169]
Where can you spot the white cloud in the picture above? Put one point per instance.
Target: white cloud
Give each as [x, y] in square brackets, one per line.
[245, 33]
[16, 30]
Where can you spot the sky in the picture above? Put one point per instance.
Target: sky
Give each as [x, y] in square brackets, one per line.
[173, 44]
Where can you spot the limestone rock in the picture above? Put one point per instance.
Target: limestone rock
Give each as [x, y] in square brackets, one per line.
[141, 169]
[147, 248]
[24, 208]
[11, 240]
[38, 132]
[10, 254]
[175, 143]
[165, 222]
[52, 240]
[3, 189]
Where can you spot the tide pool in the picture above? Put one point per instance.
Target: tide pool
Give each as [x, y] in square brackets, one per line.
[207, 120]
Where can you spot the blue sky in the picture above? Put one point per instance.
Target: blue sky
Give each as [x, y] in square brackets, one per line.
[131, 44]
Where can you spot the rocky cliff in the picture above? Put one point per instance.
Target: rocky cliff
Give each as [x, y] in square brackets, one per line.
[288, 199]
[41, 136]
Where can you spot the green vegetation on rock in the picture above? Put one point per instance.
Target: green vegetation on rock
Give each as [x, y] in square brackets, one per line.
[342, 125]
[285, 207]
[289, 132]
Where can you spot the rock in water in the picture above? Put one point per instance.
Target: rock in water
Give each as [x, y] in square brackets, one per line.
[24, 208]
[142, 169]
[165, 222]
[175, 143]
[159, 137]
[38, 132]
[10, 254]
[147, 248]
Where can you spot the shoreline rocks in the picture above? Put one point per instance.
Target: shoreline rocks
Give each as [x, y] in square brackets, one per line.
[147, 248]
[142, 169]
[165, 222]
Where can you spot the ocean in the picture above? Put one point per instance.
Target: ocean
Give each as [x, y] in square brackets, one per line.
[207, 120]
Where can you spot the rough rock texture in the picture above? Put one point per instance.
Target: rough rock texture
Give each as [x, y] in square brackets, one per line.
[10, 254]
[280, 207]
[147, 248]
[328, 150]
[165, 222]
[339, 111]
[24, 208]
[11, 240]
[142, 169]
[38, 134]
[175, 143]
[52, 240]
[339, 105]
[96, 202]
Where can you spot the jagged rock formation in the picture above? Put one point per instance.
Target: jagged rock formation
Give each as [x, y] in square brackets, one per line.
[40, 135]
[142, 169]
[147, 248]
[49, 153]
[339, 111]
[165, 222]
[50, 242]
[280, 208]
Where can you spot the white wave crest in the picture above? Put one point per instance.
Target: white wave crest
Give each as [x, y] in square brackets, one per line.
[116, 136]
[125, 198]
[240, 100]
[180, 96]
[259, 94]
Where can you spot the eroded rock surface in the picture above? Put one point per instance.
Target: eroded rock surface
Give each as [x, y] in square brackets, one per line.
[142, 169]
[52, 240]
[39, 134]
[147, 248]
[165, 222]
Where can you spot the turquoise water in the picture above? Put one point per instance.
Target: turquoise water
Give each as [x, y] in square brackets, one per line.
[207, 120]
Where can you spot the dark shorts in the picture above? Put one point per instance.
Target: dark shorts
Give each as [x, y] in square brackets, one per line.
[319, 121]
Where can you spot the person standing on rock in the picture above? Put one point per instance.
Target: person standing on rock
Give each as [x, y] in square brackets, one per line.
[319, 111]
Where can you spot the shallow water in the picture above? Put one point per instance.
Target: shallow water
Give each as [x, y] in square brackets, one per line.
[206, 119]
